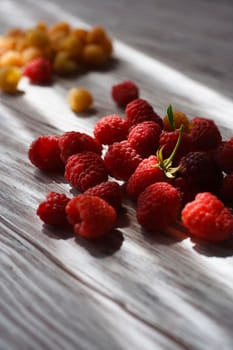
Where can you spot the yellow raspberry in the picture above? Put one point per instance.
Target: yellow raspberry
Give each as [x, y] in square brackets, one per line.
[30, 53]
[63, 27]
[72, 45]
[96, 36]
[9, 79]
[107, 46]
[37, 38]
[79, 99]
[11, 58]
[94, 55]
[81, 34]
[179, 118]
[42, 26]
[64, 65]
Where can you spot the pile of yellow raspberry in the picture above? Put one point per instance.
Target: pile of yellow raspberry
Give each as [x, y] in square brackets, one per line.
[70, 50]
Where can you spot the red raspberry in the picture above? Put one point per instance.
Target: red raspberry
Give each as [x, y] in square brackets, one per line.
[110, 129]
[52, 210]
[39, 71]
[158, 206]
[205, 134]
[206, 217]
[139, 111]
[44, 153]
[90, 216]
[73, 142]
[226, 189]
[84, 170]
[199, 169]
[223, 156]
[187, 189]
[124, 92]
[121, 160]
[168, 141]
[144, 138]
[110, 191]
[146, 174]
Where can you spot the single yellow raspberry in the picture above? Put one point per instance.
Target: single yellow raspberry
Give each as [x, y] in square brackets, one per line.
[179, 118]
[96, 36]
[79, 99]
[9, 79]
[11, 58]
[81, 34]
[63, 65]
[30, 53]
[37, 38]
[94, 55]
[72, 45]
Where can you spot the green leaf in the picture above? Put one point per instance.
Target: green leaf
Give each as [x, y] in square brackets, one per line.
[171, 117]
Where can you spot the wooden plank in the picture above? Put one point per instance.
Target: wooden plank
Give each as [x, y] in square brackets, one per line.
[130, 290]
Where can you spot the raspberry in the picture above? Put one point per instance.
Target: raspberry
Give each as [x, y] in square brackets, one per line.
[109, 191]
[146, 174]
[125, 92]
[94, 55]
[9, 79]
[73, 142]
[199, 169]
[90, 216]
[206, 217]
[79, 99]
[144, 138]
[168, 141]
[39, 71]
[223, 156]
[158, 206]
[139, 111]
[44, 153]
[52, 210]
[187, 189]
[205, 134]
[121, 160]
[110, 129]
[179, 119]
[84, 170]
[226, 189]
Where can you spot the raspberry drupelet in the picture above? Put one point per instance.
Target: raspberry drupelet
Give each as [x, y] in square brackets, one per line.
[207, 218]
[91, 216]
[84, 170]
[52, 210]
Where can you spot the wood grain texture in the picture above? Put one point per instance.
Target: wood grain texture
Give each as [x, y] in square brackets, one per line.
[131, 290]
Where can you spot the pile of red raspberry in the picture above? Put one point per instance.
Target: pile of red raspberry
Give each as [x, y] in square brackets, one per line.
[170, 172]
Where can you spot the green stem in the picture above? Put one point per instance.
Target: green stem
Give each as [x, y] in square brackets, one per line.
[169, 160]
[171, 116]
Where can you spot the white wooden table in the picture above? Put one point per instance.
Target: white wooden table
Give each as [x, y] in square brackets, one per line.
[130, 291]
